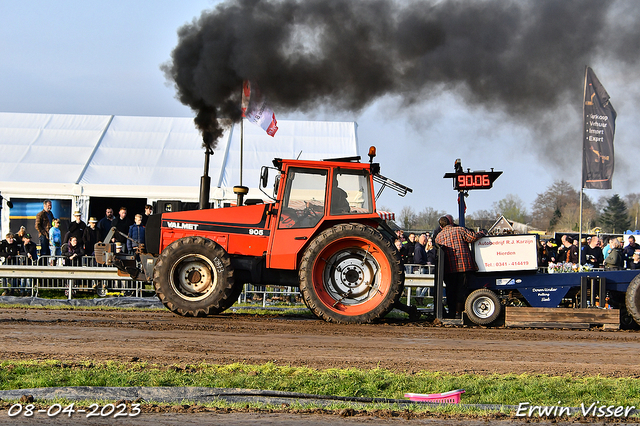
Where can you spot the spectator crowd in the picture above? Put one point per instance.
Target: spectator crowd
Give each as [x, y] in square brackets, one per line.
[77, 242]
[592, 251]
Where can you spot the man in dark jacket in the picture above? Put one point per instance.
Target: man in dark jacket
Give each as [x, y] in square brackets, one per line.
[410, 245]
[592, 253]
[30, 252]
[44, 219]
[122, 223]
[630, 249]
[104, 226]
[9, 251]
[76, 228]
[90, 237]
[419, 253]
[148, 211]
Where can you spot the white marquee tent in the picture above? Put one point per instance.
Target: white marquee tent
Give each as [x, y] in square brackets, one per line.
[76, 157]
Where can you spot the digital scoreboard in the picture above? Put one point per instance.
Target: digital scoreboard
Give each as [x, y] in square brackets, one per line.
[464, 181]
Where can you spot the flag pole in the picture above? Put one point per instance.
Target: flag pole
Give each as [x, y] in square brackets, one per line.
[240, 190]
[241, 146]
[584, 96]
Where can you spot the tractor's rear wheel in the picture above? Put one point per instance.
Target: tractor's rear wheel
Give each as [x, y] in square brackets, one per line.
[194, 277]
[351, 274]
[632, 299]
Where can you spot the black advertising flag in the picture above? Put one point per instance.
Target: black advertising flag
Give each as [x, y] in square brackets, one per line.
[599, 129]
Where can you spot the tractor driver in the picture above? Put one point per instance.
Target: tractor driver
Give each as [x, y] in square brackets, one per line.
[339, 203]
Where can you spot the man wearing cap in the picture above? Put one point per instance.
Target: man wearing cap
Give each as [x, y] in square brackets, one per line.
[76, 229]
[91, 236]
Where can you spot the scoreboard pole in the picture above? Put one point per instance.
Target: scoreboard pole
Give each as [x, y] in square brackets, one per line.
[462, 207]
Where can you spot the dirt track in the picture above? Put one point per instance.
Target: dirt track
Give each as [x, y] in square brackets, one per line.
[161, 337]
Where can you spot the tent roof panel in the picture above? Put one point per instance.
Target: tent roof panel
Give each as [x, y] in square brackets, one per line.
[47, 146]
[133, 154]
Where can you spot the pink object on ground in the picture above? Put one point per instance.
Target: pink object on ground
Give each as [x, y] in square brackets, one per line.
[452, 397]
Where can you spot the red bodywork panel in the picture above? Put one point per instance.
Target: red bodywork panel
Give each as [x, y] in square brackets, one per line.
[239, 230]
[253, 230]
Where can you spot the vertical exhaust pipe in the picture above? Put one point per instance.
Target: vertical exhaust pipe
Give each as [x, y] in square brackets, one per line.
[205, 180]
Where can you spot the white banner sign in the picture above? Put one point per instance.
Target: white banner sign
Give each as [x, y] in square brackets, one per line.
[506, 253]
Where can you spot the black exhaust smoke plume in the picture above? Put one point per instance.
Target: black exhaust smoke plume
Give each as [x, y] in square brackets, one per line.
[521, 57]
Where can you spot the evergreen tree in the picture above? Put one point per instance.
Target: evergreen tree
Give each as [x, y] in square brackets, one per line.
[615, 217]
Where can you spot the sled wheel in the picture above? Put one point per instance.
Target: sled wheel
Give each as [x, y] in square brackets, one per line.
[101, 290]
[194, 277]
[483, 306]
[632, 299]
[351, 274]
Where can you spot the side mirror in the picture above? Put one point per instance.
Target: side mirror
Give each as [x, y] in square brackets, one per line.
[264, 177]
[276, 184]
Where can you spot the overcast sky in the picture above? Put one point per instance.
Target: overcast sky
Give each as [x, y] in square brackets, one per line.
[89, 57]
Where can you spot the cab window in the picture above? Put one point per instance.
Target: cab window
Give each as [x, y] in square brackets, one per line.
[304, 198]
[350, 192]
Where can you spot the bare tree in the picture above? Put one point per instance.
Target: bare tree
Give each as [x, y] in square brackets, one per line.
[512, 208]
[558, 208]
[407, 217]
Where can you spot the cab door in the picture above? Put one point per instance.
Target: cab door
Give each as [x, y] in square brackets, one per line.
[301, 212]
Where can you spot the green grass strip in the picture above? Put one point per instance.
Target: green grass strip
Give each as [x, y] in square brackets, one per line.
[507, 389]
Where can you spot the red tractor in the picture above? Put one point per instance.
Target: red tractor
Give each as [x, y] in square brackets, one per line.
[320, 233]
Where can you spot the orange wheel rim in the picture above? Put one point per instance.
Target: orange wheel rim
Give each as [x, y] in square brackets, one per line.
[351, 276]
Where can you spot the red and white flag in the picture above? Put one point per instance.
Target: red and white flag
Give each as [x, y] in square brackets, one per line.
[255, 109]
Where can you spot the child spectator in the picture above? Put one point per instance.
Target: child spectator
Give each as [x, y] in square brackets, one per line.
[136, 233]
[55, 238]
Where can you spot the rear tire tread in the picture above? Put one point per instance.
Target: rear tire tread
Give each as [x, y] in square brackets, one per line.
[327, 237]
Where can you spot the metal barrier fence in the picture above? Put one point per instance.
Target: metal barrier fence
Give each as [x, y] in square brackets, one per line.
[420, 277]
[22, 277]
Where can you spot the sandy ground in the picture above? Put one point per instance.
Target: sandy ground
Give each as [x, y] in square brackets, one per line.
[164, 338]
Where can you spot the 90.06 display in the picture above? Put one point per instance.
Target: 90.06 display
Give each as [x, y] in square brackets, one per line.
[94, 410]
[473, 180]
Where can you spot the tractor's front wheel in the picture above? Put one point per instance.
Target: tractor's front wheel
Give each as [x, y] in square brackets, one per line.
[351, 274]
[194, 277]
